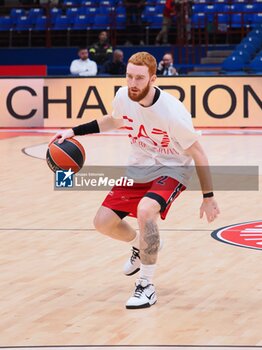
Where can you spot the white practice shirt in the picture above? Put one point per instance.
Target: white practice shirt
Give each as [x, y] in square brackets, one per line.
[159, 134]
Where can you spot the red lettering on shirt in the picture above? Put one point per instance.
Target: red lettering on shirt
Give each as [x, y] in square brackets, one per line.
[129, 119]
[142, 133]
[165, 140]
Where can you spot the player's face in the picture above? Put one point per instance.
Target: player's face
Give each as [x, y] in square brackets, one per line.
[138, 81]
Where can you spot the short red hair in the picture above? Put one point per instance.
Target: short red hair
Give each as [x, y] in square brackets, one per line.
[144, 59]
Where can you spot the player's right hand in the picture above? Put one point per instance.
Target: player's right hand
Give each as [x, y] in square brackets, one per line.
[62, 135]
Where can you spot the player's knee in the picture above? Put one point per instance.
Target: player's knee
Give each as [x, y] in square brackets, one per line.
[145, 213]
[148, 209]
[100, 223]
[104, 223]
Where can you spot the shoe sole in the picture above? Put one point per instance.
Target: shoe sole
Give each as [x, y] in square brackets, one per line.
[144, 306]
[132, 273]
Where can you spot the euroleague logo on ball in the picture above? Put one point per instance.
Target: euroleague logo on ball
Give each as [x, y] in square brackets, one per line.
[246, 235]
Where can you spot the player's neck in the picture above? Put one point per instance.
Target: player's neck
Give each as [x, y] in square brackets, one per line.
[148, 100]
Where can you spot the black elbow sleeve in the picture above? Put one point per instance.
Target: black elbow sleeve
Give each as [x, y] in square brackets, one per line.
[88, 128]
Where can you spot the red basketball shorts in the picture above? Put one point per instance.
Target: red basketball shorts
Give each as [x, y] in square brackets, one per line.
[125, 199]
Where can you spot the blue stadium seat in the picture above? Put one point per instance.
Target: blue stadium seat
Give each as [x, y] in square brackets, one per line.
[34, 13]
[239, 1]
[221, 7]
[104, 10]
[71, 2]
[237, 21]
[223, 18]
[89, 3]
[5, 23]
[151, 2]
[41, 23]
[120, 10]
[105, 3]
[248, 18]
[210, 11]
[237, 8]
[209, 8]
[121, 22]
[71, 14]
[233, 63]
[156, 21]
[252, 8]
[89, 11]
[148, 12]
[101, 22]
[160, 9]
[61, 23]
[199, 20]
[198, 7]
[227, 8]
[257, 18]
[15, 13]
[55, 12]
[82, 22]
[23, 23]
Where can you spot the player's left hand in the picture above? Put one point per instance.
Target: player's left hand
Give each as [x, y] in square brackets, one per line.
[210, 208]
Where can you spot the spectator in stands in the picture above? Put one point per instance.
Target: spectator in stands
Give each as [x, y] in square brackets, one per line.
[168, 14]
[134, 9]
[102, 50]
[165, 67]
[116, 66]
[183, 19]
[83, 66]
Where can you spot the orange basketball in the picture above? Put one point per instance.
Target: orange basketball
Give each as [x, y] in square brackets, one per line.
[69, 154]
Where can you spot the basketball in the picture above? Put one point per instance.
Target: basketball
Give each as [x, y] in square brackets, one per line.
[69, 154]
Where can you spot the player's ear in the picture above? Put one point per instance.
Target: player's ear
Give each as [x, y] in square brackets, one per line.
[153, 79]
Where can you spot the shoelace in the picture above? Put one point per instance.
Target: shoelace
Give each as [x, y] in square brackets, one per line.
[135, 254]
[139, 290]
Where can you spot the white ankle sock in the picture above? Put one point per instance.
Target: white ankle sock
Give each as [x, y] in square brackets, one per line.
[135, 242]
[147, 272]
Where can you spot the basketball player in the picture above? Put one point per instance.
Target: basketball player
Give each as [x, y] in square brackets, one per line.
[164, 141]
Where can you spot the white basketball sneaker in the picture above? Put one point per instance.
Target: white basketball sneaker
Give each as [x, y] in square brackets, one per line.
[144, 295]
[132, 265]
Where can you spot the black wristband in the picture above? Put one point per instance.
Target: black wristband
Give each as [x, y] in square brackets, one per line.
[88, 128]
[208, 195]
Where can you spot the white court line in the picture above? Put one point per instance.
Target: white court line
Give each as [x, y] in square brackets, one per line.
[252, 230]
[253, 239]
[138, 347]
[251, 234]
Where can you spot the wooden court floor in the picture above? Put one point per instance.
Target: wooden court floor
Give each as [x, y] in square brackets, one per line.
[61, 282]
